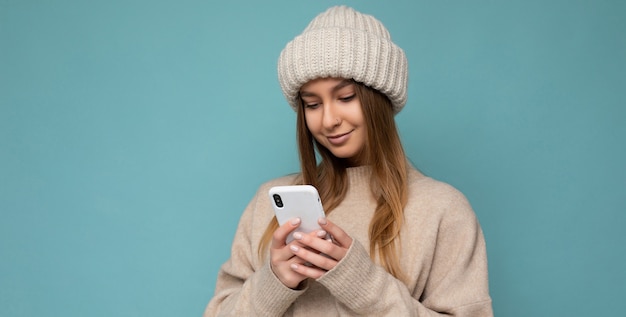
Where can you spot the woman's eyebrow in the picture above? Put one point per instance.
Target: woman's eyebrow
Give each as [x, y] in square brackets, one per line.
[307, 94]
[342, 84]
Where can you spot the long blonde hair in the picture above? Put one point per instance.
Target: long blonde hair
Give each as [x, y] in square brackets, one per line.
[388, 183]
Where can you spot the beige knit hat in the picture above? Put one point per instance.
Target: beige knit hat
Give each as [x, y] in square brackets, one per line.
[344, 43]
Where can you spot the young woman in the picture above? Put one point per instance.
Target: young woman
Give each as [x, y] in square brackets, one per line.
[402, 243]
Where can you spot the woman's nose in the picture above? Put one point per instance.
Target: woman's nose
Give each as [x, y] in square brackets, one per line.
[331, 118]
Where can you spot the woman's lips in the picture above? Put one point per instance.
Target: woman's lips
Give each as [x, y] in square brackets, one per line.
[339, 138]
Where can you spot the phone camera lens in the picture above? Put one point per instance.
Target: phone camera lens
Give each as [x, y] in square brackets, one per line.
[278, 200]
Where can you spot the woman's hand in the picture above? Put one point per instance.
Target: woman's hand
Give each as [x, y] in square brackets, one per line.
[282, 258]
[322, 254]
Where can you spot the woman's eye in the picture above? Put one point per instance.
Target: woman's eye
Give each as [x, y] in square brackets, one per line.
[311, 105]
[347, 98]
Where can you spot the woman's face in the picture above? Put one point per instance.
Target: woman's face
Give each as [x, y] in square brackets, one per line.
[334, 116]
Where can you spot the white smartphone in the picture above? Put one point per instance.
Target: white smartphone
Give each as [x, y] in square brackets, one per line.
[293, 201]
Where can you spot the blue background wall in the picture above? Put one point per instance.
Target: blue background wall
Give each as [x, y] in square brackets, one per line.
[133, 134]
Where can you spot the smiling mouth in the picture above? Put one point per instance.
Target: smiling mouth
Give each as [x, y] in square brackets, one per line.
[339, 138]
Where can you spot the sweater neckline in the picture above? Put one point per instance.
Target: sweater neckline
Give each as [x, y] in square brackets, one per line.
[359, 175]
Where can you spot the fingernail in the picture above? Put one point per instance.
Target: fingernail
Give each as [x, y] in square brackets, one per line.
[297, 235]
[295, 221]
[321, 234]
[294, 248]
[294, 266]
[322, 221]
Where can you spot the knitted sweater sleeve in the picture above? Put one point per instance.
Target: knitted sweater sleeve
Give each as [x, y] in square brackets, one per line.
[456, 282]
[245, 287]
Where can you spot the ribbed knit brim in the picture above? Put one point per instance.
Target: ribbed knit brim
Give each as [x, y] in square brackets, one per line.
[344, 43]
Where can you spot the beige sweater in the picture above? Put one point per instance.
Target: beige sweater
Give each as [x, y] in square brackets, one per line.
[442, 251]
